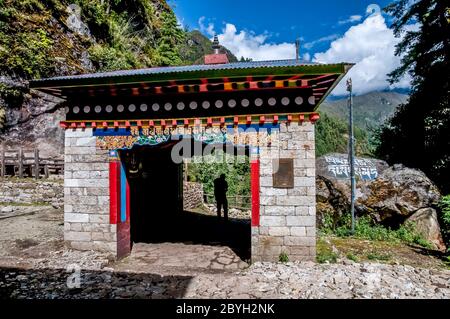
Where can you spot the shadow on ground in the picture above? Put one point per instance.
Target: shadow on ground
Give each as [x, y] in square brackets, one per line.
[197, 229]
[52, 284]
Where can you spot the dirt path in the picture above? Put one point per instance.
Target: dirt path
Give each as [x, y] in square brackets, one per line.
[34, 261]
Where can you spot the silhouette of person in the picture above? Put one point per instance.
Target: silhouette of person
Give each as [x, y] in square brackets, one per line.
[220, 193]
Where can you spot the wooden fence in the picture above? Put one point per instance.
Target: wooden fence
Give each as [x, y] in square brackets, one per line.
[27, 163]
[236, 201]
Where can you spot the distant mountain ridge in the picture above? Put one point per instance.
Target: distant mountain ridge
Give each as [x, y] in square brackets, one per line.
[370, 110]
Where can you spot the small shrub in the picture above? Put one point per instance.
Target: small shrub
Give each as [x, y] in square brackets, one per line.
[444, 215]
[407, 233]
[327, 256]
[327, 225]
[283, 258]
[325, 253]
[352, 257]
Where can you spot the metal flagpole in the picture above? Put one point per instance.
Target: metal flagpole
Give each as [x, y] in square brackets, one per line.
[351, 151]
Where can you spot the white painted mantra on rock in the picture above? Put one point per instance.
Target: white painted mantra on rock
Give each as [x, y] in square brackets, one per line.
[340, 168]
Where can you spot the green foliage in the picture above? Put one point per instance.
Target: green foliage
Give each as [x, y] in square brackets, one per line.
[366, 229]
[171, 38]
[236, 169]
[25, 54]
[196, 46]
[109, 59]
[245, 59]
[353, 257]
[325, 253]
[328, 225]
[126, 34]
[370, 110]
[326, 257]
[332, 137]
[375, 256]
[8, 95]
[445, 219]
[418, 134]
[132, 34]
[283, 258]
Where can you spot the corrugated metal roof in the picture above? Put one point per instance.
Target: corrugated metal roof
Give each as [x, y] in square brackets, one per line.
[190, 72]
[182, 69]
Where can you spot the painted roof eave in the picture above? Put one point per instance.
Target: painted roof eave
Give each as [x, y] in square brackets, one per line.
[347, 68]
[185, 73]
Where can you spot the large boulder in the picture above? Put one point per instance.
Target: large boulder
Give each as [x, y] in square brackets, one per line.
[396, 194]
[426, 223]
[388, 194]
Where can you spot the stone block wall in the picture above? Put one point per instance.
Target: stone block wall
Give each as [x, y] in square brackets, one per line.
[30, 191]
[192, 195]
[86, 194]
[287, 216]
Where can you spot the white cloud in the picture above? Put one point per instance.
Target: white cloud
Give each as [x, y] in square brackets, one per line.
[351, 19]
[306, 57]
[208, 29]
[180, 21]
[310, 45]
[255, 46]
[371, 46]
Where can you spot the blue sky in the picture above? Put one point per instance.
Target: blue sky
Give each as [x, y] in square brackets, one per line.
[282, 20]
[330, 31]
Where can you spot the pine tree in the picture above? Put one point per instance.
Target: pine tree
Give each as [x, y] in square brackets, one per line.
[418, 135]
[171, 38]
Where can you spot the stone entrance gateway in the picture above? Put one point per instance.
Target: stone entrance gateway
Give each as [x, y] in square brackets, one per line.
[268, 108]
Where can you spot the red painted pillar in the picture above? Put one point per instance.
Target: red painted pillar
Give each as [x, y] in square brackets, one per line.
[128, 201]
[255, 191]
[114, 191]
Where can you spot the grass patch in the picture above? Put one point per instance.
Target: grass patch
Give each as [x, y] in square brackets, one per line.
[376, 256]
[352, 257]
[366, 229]
[283, 258]
[325, 253]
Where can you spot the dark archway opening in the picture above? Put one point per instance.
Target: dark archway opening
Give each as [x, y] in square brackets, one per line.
[157, 214]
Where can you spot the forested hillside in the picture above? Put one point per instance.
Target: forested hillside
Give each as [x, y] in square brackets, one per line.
[196, 46]
[370, 110]
[45, 38]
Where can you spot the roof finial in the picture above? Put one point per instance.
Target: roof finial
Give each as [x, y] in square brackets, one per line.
[297, 49]
[216, 44]
[216, 57]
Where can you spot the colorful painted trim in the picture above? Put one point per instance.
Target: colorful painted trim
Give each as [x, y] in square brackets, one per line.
[193, 122]
[257, 135]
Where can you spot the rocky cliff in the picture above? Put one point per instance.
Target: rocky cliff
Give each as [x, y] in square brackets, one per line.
[44, 38]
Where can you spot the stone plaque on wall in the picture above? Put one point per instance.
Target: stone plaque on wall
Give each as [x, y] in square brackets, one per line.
[283, 176]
